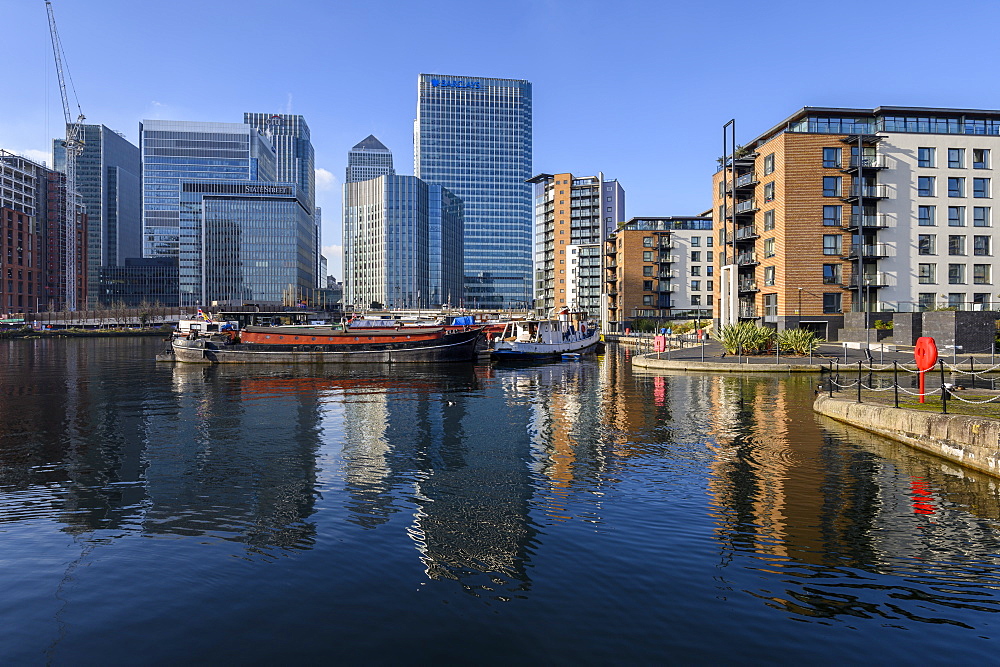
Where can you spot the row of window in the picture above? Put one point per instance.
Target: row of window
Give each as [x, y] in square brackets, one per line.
[927, 244]
[982, 274]
[927, 157]
[927, 187]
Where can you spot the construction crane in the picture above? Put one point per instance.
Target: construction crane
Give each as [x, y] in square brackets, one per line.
[73, 145]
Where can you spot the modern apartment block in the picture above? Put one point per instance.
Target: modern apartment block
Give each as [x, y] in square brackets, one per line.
[367, 160]
[402, 243]
[107, 181]
[876, 210]
[33, 238]
[211, 199]
[472, 135]
[573, 216]
[658, 268]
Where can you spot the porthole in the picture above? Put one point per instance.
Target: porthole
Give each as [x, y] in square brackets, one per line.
[281, 338]
[314, 337]
[267, 337]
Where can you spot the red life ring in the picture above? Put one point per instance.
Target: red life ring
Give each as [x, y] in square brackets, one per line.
[925, 353]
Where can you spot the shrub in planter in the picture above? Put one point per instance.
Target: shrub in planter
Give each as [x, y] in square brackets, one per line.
[799, 341]
[747, 337]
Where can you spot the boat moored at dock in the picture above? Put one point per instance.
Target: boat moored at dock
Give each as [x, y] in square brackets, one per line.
[532, 339]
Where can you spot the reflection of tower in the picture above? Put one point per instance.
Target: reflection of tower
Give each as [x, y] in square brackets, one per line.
[367, 476]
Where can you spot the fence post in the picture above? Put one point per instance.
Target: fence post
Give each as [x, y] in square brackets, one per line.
[859, 380]
[944, 390]
[895, 382]
[830, 379]
[972, 370]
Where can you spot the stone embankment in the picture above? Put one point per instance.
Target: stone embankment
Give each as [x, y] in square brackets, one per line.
[973, 442]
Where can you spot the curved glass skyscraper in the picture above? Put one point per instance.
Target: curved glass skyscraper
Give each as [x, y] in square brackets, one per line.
[473, 136]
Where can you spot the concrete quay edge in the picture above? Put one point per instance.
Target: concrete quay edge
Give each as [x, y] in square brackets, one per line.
[973, 442]
[647, 361]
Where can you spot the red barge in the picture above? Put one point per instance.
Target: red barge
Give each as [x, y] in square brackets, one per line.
[325, 345]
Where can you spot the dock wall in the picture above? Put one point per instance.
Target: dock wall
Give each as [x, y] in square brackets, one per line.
[973, 442]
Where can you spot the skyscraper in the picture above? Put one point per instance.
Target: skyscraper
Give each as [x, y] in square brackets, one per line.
[211, 198]
[368, 159]
[107, 180]
[296, 162]
[402, 243]
[473, 136]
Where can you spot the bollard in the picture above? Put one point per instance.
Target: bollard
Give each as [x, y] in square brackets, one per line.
[895, 382]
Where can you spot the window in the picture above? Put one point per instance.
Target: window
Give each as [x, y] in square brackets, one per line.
[695, 299]
[768, 247]
[831, 274]
[695, 270]
[710, 256]
[956, 187]
[768, 276]
[831, 158]
[695, 241]
[771, 305]
[980, 188]
[647, 271]
[956, 158]
[981, 245]
[768, 220]
[768, 164]
[709, 299]
[708, 242]
[980, 158]
[981, 216]
[769, 191]
[955, 300]
[709, 285]
[831, 302]
[647, 241]
[695, 285]
[927, 244]
[956, 216]
[831, 216]
[925, 157]
[925, 186]
[925, 300]
[831, 244]
[926, 274]
[647, 255]
[956, 274]
[831, 186]
[647, 299]
[926, 215]
[956, 245]
[981, 299]
[695, 255]
[981, 274]
[647, 285]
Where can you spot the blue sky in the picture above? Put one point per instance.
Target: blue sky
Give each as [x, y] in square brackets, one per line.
[638, 90]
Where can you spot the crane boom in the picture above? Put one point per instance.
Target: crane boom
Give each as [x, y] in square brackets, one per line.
[74, 146]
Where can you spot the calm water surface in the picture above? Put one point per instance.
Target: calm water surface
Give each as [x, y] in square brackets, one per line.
[578, 512]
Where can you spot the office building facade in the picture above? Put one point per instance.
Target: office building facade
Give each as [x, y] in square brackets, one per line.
[473, 136]
[402, 243]
[573, 216]
[368, 159]
[211, 199]
[868, 210]
[108, 184]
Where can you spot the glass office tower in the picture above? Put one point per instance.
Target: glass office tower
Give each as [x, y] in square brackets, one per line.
[472, 135]
[393, 232]
[223, 176]
[107, 179]
[367, 160]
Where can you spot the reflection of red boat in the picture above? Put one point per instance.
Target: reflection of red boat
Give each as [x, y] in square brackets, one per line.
[325, 345]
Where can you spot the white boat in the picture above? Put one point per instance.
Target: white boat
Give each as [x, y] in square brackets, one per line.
[526, 339]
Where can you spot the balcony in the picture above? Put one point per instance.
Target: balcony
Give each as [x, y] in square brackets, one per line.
[666, 259]
[748, 313]
[868, 221]
[742, 182]
[871, 280]
[665, 289]
[866, 163]
[867, 192]
[748, 233]
[747, 259]
[748, 286]
[611, 265]
[746, 207]
[869, 251]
